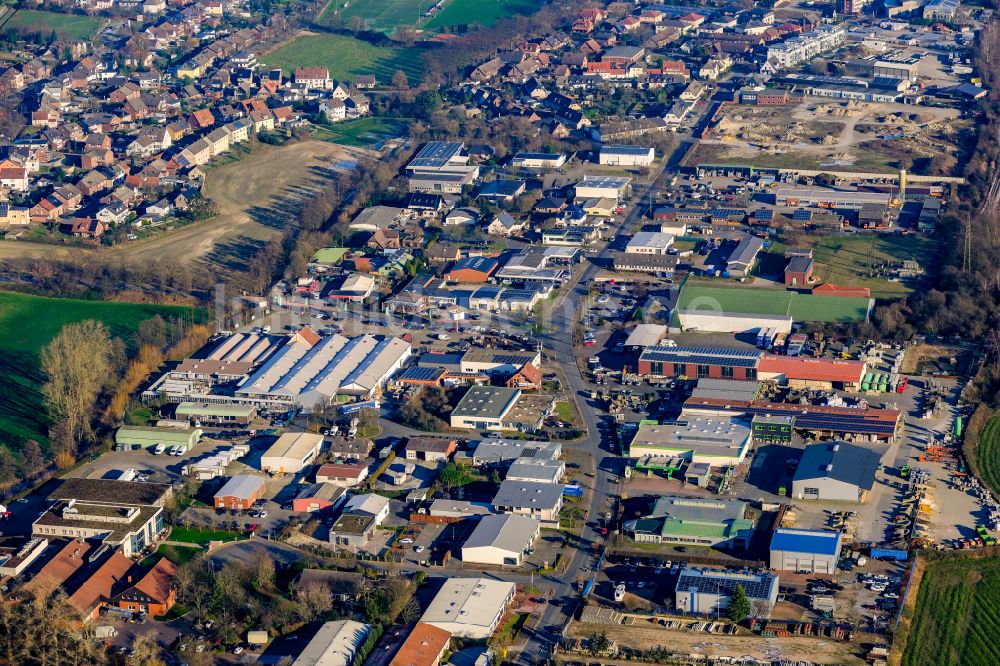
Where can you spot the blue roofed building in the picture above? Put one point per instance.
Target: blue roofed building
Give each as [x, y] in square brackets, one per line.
[812, 551]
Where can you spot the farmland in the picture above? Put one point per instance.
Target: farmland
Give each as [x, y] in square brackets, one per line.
[473, 12]
[28, 323]
[347, 57]
[67, 26]
[956, 614]
[988, 454]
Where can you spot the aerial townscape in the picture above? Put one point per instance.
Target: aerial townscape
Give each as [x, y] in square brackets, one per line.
[521, 332]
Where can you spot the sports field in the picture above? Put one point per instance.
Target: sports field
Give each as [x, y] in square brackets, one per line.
[347, 57]
[363, 132]
[479, 12]
[956, 614]
[28, 323]
[67, 26]
[765, 301]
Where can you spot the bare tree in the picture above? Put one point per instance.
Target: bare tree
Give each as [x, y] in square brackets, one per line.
[77, 364]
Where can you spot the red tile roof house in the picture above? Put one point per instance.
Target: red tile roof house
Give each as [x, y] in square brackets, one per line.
[154, 592]
[94, 592]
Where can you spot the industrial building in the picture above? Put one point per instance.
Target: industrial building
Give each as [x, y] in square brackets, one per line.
[699, 362]
[649, 242]
[824, 198]
[812, 551]
[627, 156]
[441, 167]
[628, 262]
[319, 497]
[500, 407]
[596, 187]
[726, 389]
[215, 414]
[541, 501]
[717, 442]
[744, 256]
[709, 321]
[493, 452]
[815, 373]
[538, 160]
[708, 591]
[240, 492]
[498, 362]
[645, 335]
[693, 521]
[470, 607]
[501, 539]
[356, 525]
[835, 471]
[335, 644]
[291, 453]
[148, 437]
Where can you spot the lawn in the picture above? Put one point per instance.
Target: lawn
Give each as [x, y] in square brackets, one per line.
[176, 554]
[190, 535]
[378, 15]
[28, 323]
[845, 260]
[363, 132]
[565, 412]
[469, 12]
[702, 296]
[347, 57]
[956, 614]
[67, 26]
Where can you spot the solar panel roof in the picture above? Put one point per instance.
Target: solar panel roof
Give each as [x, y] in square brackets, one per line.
[704, 581]
[416, 373]
[737, 358]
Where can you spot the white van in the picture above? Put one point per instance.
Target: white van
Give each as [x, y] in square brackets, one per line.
[160, 448]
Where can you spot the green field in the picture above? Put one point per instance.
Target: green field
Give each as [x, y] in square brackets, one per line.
[67, 26]
[845, 260]
[957, 612]
[988, 454]
[28, 323]
[756, 300]
[347, 57]
[363, 132]
[190, 535]
[474, 12]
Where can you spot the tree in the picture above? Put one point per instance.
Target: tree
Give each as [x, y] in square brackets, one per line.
[598, 643]
[77, 364]
[152, 333]
[399, 80]
[739, 605]
[32, 460]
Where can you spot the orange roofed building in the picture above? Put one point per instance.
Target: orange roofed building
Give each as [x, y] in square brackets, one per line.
[839, 290]
[154, 592]
[425, 646]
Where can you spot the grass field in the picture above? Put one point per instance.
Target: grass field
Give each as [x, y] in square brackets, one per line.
[28, 323]
[347, 57]
[988, 454]
[844, 260]
[485, 13]
[363, 132]
[378, 15]
[189, 535]
[957, 611]
[67, 26]
[751, 300]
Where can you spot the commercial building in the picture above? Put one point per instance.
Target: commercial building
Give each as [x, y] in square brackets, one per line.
[484, 407]
[493, 452]
[726, 389]
[627, 156]
[342, 474]
[472, 269]
[501, 540]
[335, 644]
[319, 497]
[532, 469]
[538, 160]
[425, 646]
[362, 515]
[541, 501]
[546, 265]
[311, 369]
[205, 413]
[441, 167]
[649, 242]
[717, 442]
[126, 514]
[498, 362]
[432, 449]
[693, 521]
[855, 423]
[595, 187]
[835, 472]
[628, 262]
[240, 492]
[815, 373]
[811, 551]
[149, 437]
[941, 10]
[709, 321]
[291, 453]
[19, 553]
[699, 362]
[470, 607]
[744, 256]
[709, 591]
[824, 198]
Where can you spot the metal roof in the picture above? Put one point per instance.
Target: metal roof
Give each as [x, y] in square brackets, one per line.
[243, 486]
[504, 531]
[820, 542]
[486, 402]
[735, 358]
[707, 581]
[847, 463]
[528, 495]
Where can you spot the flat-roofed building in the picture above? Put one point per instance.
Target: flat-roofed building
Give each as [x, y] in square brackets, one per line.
[595, 187]
[717, 442]
[425, 646]
[540, 501]
[693, 521]
[484, 407]
[291, 453]
[538, 160]
[494, 452]
[240, 492]
[470, 607]
[543, 471]
[206, 413]
[501, 540]
[708, 591]
[19, 553]
[646, 335]
[132, 527]
[335, 644]
[649, 242]
[458, 509]
[631, 156]
[498, 361]
[813, 551]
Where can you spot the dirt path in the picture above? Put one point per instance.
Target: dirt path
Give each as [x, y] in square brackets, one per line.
[817, 650]
[256, 197]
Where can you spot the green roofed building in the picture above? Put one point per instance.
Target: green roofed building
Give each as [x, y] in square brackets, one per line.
[146, 436]
[700, 297]
[329, 256]
[216, 414]
[693, 521]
